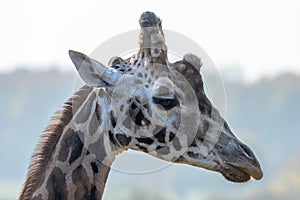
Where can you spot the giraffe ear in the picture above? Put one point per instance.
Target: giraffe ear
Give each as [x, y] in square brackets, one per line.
[193, 60]
[93, 72]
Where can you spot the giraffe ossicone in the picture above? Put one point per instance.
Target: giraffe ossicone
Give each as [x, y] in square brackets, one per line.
[144, 103]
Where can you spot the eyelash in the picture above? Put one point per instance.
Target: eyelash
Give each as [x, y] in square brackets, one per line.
[167, 104]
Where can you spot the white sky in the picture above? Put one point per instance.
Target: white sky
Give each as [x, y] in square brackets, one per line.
[260, 36]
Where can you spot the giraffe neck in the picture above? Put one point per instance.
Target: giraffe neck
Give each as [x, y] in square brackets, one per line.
[74, 155]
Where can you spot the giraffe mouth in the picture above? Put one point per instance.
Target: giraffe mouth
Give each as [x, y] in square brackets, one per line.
[239, 174]
[235, 174]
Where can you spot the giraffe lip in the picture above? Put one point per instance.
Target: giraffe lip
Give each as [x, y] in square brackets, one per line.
[237, 173]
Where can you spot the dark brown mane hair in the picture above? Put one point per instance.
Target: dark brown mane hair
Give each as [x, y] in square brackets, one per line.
[48, 140]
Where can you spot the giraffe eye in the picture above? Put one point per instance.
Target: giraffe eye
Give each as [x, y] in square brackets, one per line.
[166, 103]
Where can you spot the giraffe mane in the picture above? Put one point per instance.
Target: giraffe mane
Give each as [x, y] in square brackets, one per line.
[195, 80]
[49, 138]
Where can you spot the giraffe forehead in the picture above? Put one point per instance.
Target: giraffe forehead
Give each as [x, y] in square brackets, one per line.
[164, 81]
[163, 87]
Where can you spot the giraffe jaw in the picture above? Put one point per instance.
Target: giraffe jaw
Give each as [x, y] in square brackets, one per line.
[230, 172]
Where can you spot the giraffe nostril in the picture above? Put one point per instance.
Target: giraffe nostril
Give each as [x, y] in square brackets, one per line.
[247, 150]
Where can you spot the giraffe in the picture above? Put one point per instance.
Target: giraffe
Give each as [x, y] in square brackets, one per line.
[144, 103]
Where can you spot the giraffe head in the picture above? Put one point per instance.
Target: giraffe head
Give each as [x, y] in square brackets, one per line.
[161, 108]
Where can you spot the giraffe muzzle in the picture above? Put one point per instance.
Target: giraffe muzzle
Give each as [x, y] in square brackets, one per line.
[241, 165]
